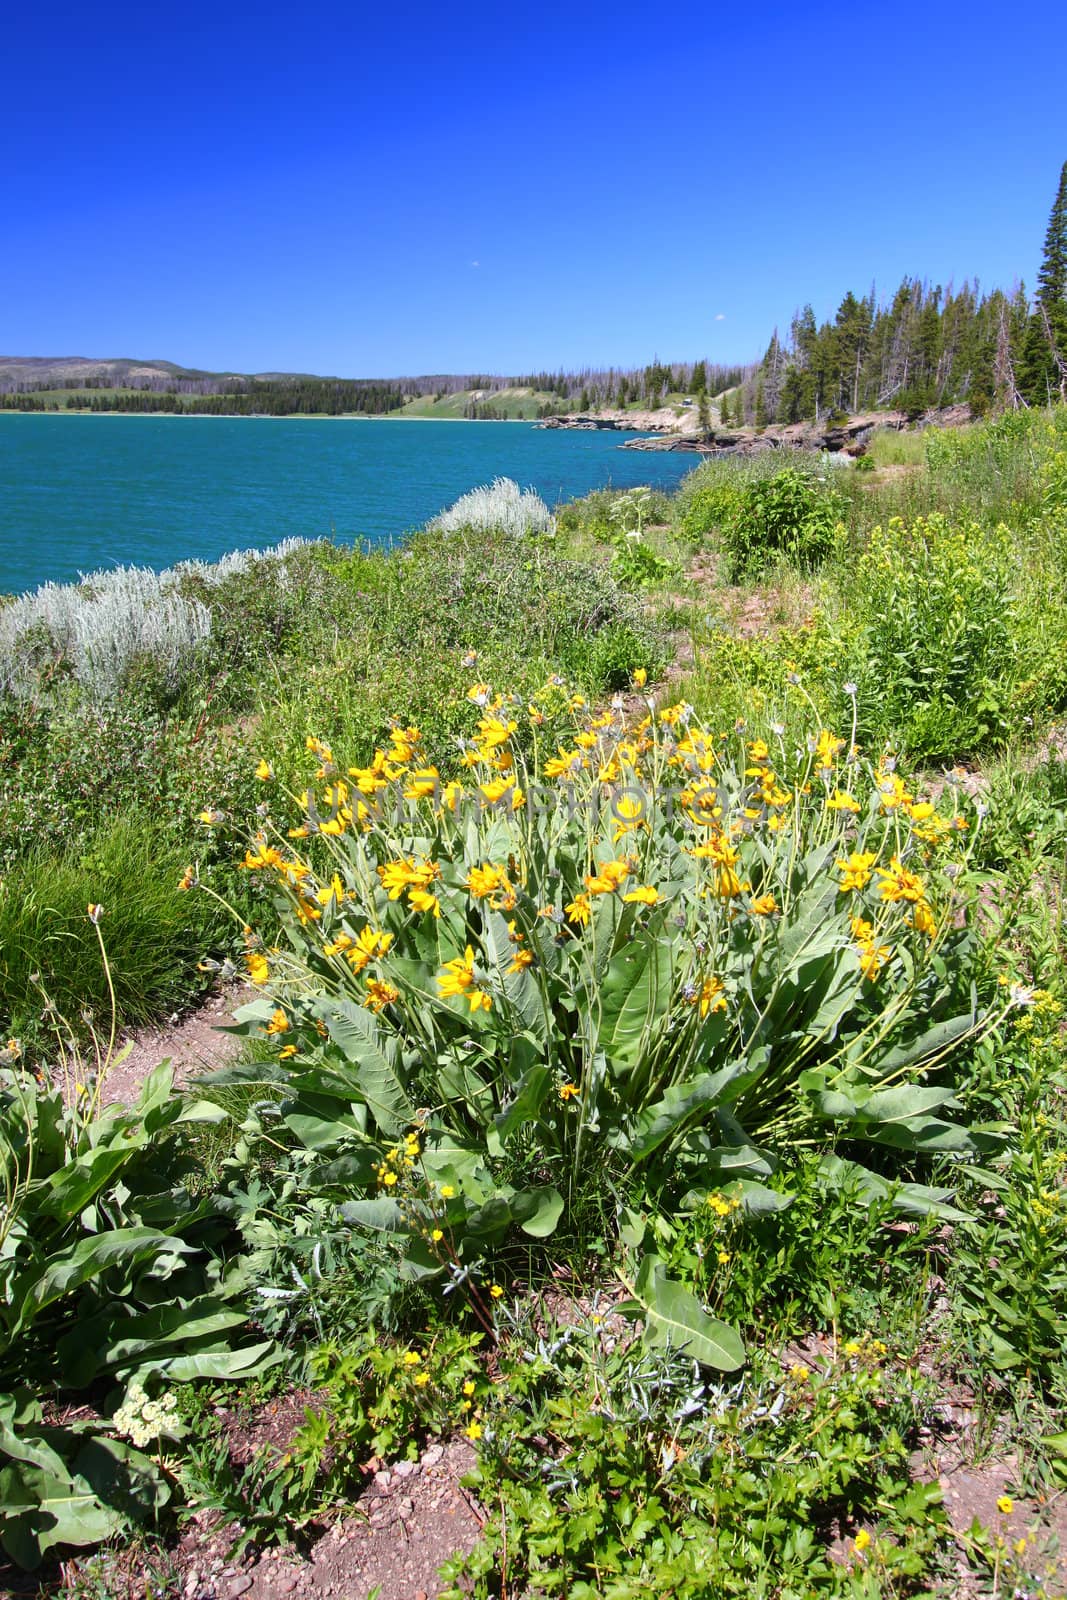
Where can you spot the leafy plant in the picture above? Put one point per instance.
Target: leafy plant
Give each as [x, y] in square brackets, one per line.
[612, 1470]
[111, 1274]
[646, 960]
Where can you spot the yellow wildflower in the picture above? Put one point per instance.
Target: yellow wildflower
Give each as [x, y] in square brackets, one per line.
[900, 884]
[423, 784]
[644, 895]
[709, 997]
[287, 1052]
[628, 813]
[765, 905]
[856, 871]
[380, 995]
[610, 877]
[579, 910]
[370, 944]
[640, 678]
[483, 881]
[568, 1091]
[862, 1540]
[827, 747]
[841, 801]
[423, 900]
[493, 731]
[264, 855]
[279, 1023]
[258, 968]
[458, 979]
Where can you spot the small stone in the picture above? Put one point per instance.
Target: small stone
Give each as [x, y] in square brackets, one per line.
[430, 1458]
[288, 1586]
[404, 1469]
[239, 1586]
[420, 1594]
[383, 1479]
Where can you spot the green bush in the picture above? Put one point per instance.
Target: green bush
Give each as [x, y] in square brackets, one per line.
[640, 991]
[792, 515]
[937, 665]
[609, 1470]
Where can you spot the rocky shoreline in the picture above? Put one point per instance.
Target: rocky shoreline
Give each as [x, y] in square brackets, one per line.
[672, 433]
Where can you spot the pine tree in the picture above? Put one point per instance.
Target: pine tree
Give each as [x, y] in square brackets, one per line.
[1044, 363]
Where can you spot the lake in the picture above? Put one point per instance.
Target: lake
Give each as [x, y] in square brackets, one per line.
[79, 493]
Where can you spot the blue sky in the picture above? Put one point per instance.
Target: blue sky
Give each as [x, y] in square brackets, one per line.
[367, 189]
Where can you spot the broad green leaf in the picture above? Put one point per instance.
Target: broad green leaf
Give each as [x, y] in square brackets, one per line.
[113, 1342]
[67, 1192]
[537, 1211]
[246, 1362]
[380, 1081]
[923, 1046]
[42, 1510]
[634, 996]
[676, 1318]
[657, 1123]
[86, 1260]
[913, 1199]
[382, 1215]
[757, 1199]
[525, 1106]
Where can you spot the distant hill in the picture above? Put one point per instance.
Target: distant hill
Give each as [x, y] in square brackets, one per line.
[122, 383]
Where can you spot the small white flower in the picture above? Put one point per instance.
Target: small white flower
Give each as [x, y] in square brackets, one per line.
[851, 689]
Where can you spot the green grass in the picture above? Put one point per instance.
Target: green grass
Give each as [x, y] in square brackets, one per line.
[50, 953]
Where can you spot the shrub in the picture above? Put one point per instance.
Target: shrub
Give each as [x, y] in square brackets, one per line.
[110, 623]
[793, 514]
[637, 965]
[499, 506]
[112, 1284]
[938, 660]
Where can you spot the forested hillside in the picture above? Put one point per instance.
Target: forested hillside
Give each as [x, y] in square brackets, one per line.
[927, 345]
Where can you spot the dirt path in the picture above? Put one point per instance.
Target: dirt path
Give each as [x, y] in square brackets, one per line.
[193, 1044]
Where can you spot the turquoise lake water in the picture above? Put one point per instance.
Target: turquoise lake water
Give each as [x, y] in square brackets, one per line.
[78, 493]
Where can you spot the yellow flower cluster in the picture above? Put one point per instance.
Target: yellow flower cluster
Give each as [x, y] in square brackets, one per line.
[398, 1161]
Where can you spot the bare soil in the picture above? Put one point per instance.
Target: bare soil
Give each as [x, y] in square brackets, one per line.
[192, 1043]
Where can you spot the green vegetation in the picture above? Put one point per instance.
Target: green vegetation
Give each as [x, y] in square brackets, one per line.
[655, 1071]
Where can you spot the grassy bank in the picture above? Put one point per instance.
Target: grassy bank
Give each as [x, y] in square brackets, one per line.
[656, 1080]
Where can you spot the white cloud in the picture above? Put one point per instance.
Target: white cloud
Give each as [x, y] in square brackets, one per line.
[475, 263]
[720, 316]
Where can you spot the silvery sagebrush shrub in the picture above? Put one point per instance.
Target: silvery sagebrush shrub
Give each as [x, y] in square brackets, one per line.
[100, 626]
[500, 504]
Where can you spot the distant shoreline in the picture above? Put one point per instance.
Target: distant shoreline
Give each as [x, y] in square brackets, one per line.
[243, 416]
